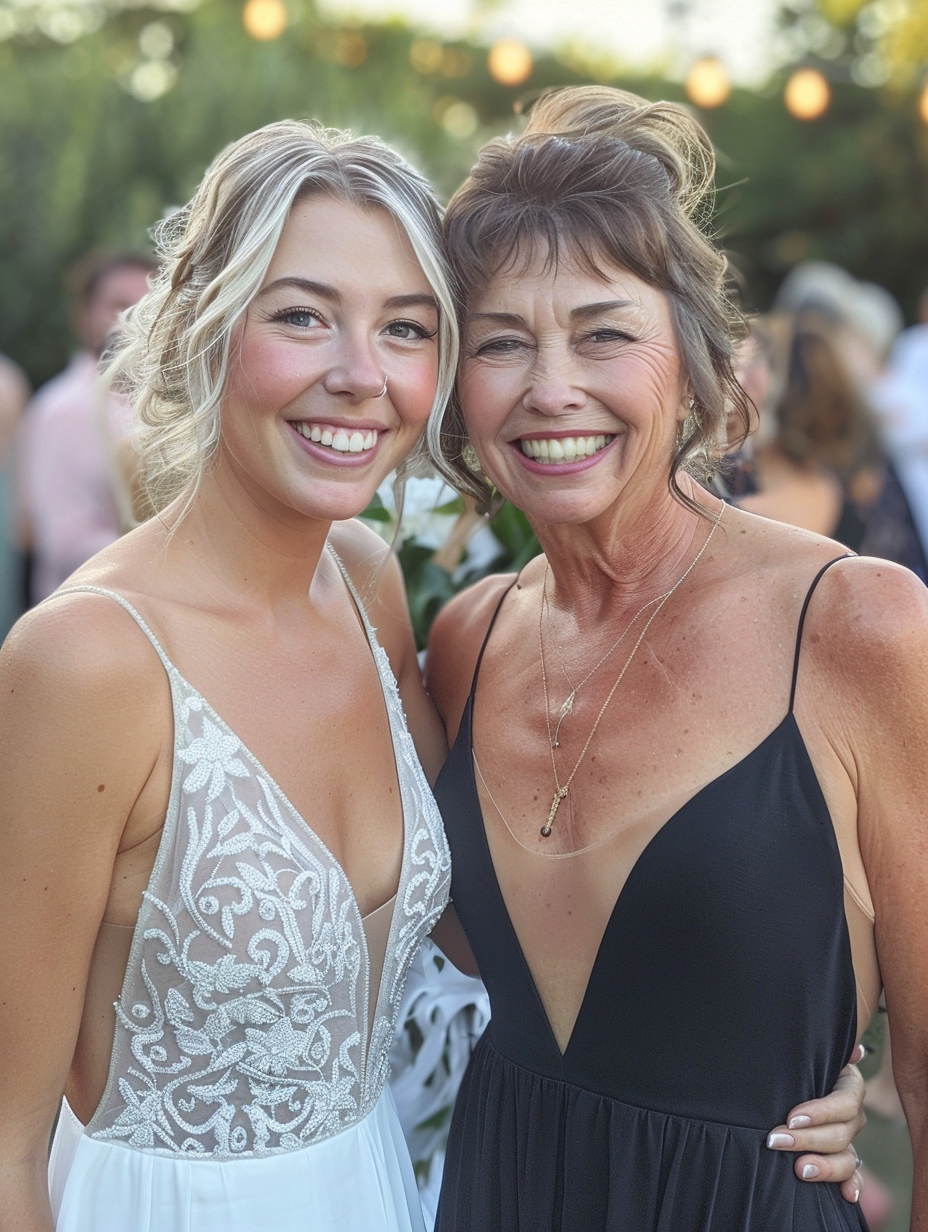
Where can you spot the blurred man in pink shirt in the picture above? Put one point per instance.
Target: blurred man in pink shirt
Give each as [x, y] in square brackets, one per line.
[68, 500]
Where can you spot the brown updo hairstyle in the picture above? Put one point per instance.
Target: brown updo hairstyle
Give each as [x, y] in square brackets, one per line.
[602, 177]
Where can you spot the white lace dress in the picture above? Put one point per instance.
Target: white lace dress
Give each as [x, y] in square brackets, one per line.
[246, 1084]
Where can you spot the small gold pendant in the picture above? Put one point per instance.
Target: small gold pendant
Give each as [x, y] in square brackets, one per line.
[564, 712]
[555, 805]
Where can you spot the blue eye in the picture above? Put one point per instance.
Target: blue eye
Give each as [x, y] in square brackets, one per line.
[609, 335]
[409, 331]
[498, 346]
[300, 318]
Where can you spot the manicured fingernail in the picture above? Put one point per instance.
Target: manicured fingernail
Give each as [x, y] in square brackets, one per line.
[809, 1172]
[800, 1122]
[776, 1140]
[857, 1194]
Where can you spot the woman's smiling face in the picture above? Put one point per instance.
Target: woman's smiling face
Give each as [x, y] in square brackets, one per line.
[307, 419]
[571, 387]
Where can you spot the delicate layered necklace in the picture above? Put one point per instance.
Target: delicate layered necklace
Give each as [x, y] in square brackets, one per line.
[561, 789]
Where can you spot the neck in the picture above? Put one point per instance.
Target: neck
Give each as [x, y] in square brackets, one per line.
[244, 550]
[603, 568]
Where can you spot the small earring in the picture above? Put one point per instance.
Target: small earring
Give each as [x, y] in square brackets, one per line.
[384, 390]
[692, 405]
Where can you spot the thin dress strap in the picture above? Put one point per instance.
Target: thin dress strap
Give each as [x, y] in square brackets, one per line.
[124, 603]
[356, 598]
[486, 636]
[802, 620]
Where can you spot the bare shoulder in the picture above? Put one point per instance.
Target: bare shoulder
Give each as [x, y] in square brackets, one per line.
[467, 615]
[360, 549]
[78, 663]
[375, 572]
[454, 644]
[378, 579]
[79, 636]
[869, 618]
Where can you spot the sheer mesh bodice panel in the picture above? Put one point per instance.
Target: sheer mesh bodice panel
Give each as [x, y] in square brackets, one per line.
[252, 1019]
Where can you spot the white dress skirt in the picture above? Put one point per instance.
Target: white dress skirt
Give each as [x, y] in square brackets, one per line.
[359, 1181]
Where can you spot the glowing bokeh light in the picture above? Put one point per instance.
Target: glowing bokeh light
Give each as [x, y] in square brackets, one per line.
[807, 95]
[265, 19]
[707, 83]
[510, 62]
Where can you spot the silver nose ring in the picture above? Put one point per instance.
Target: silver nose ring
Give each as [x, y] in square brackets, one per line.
[384, 390]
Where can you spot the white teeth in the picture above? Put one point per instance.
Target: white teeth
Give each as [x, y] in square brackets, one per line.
[337, 438]
[564, 448]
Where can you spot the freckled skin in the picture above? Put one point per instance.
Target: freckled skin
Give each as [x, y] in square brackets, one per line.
[578, 353]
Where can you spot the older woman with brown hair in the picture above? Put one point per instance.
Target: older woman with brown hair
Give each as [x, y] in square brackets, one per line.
[689, 768]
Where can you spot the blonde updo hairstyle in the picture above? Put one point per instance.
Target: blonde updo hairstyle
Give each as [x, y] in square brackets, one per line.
[602, 177]
[172, 356]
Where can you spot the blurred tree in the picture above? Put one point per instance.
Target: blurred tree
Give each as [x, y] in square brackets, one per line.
[111, 109]
[877, 40]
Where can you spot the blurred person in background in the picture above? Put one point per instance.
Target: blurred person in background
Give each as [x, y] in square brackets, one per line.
[815, 448]
[14, 394]
[862, 320]
[901, 398]
[69, 496]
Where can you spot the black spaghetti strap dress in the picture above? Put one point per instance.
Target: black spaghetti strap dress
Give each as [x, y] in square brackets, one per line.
[723, 993]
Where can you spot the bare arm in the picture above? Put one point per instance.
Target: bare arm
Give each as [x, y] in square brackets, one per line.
[14, 394]
[868, 642]
[368, 560]
[73, 761]
[886, 695]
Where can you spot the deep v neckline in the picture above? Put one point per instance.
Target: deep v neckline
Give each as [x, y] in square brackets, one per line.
[263, 772]
[788, 722]
[381, 665]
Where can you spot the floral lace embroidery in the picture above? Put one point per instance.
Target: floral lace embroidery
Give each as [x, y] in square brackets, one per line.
[242, 1025]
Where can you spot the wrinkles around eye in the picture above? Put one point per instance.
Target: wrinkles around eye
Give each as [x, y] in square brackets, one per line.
[498, 348]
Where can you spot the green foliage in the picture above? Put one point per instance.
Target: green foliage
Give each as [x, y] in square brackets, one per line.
[428, 586]
[93, 151]
[511, 527]
[85, 163]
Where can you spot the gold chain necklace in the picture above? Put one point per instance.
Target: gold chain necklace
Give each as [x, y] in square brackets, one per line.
[561, 790]
[568, 703]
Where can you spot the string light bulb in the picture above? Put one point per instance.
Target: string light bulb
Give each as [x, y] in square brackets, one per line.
[707, 83]
[510, 62]
[265, 19]
[807, 95]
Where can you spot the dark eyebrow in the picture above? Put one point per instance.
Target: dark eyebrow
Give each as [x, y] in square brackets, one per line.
[324, 291]
[583, 313]
[412, 301]
[321, 289]
[500, 318]
[586, 311]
